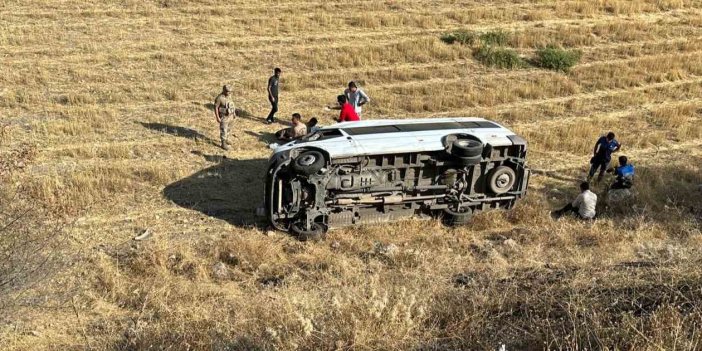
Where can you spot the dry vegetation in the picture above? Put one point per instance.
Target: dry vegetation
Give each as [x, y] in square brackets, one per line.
[113, 99]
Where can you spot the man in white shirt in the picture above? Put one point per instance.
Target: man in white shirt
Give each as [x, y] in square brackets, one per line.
[356, 97]
[583, 206]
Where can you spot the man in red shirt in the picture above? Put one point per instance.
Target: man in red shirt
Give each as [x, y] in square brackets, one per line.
[348, 113]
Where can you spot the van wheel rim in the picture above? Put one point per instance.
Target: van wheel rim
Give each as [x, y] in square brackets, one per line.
[503, 180]
[307, 160]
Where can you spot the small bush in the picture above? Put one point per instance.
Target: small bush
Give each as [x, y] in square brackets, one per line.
[499, 57]
[460, 36]
[557, 59]
[498, 38]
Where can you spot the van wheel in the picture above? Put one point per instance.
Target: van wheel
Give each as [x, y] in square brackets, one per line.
[502, 180]
[466, 148]
[459, 216]
[315, 233]
[308, 162]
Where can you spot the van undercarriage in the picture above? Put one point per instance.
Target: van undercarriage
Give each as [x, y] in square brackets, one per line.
[308, 193]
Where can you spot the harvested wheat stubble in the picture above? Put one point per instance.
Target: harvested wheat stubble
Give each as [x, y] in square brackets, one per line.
[114, 99]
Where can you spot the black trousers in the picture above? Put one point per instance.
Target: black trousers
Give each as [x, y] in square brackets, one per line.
[620, 184]
[598, 163]
[274, 109]
[568, 209]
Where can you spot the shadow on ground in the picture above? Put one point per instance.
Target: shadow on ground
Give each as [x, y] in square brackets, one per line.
[178, 131]
[264, 137]
[240, 113]
[230, 190]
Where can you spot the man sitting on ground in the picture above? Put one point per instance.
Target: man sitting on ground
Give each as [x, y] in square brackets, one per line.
[624, 174]
[583, 206]
[298, 129]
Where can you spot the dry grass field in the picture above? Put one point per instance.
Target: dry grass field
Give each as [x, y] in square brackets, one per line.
[106, 127]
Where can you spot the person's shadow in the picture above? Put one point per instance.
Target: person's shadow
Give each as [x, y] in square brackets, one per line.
[183, 132]
[230, 190]
[240, 112]
[263, 137]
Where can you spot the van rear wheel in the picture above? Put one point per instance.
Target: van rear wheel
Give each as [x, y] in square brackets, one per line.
[502, 180]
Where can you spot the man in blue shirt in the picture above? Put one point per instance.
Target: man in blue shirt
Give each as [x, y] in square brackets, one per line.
[604, 148]
[624, 174]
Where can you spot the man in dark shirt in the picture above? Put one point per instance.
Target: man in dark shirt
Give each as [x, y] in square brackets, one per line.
[604, 148]
[273, 82]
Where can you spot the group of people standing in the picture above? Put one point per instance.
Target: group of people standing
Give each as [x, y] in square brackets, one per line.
[585, 204]
[349, 104]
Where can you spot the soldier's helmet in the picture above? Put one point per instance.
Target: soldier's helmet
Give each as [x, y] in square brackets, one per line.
[227, 88]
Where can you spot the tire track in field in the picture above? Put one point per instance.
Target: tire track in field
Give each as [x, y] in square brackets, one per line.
[498, 108]
[151, 10]
[264, 43]
[501, 108]
[610, 115]
[478, 73]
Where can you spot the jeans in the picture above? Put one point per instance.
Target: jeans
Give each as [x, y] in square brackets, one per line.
[602, 164]
[274, 109]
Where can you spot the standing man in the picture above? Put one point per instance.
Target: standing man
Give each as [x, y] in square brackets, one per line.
[356, 97]
[224, 114]
[583, 206]
[273, 82]
[604, 148]
[348, 114]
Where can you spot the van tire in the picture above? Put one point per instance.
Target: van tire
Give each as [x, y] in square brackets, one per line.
[308, 162]
[466, 148]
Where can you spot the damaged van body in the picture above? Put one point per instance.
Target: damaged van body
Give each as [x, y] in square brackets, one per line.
[383, 170]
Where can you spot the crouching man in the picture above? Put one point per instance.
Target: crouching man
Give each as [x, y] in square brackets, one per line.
[583, 206]
[624, 174]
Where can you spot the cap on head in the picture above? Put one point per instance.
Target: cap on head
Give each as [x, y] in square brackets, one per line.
[227, 88]
[584, 186]
[610, 136]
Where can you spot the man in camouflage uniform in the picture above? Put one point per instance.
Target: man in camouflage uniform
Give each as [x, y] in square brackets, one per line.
[224, 113]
